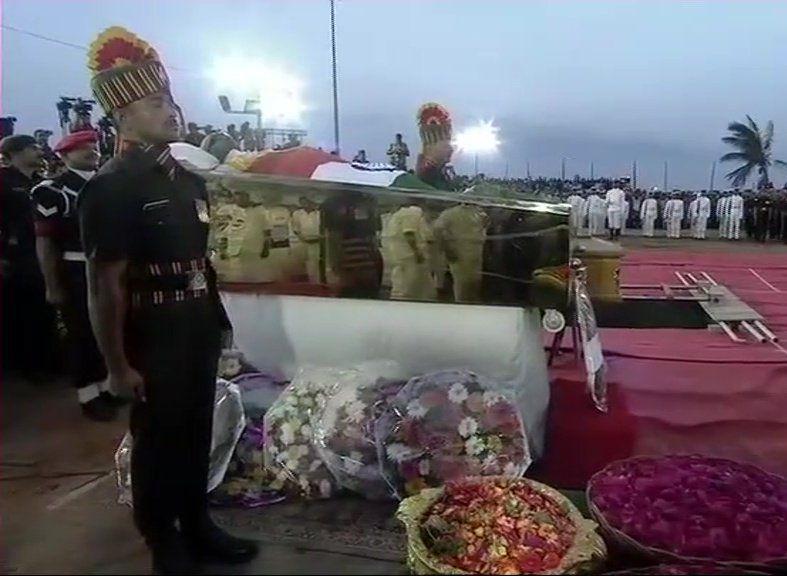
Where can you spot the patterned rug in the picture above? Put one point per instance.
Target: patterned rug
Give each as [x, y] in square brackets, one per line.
[341, 526]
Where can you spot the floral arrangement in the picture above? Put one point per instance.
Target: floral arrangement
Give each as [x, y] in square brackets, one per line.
[449, 425]
[290, 454]
[693, 507]
[248, 483]
[345, 434]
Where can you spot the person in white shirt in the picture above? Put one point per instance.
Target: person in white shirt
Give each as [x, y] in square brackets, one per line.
[699, 212]
[411, 276]
[614, 205]
[461, 232]
[306, 229]
[723, 215]
[577, 203]
[596, 209]
[673, 217]
[648, 212]
[736, 216]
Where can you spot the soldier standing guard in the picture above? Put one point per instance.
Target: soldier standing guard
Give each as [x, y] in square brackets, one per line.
[154, 304]
[62, 260]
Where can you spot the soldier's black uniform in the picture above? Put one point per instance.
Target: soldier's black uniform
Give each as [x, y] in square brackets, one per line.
[762, 209]
[56, 218]
[29, 342]
[144, 208]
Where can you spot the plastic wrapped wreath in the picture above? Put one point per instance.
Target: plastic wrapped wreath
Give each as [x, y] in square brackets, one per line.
[290, 454]
[344, 435]
[693, 508]
[449, 425]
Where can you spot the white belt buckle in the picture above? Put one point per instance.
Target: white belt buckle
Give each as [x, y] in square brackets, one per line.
[197, 281]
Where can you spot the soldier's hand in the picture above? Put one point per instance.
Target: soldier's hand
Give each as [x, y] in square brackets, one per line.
[128, 382]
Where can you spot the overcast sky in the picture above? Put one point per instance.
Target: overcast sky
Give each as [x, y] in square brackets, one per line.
[608, 82]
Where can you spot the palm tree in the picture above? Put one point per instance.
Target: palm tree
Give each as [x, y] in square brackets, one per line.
[753, 149]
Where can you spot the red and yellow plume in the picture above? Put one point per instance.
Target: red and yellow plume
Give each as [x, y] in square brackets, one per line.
[117, 47]
[434, 122]
[125, 68]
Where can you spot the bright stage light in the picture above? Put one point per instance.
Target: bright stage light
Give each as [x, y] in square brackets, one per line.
[279, 92]
[480, 139]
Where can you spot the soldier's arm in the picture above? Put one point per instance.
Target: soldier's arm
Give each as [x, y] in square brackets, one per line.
[108, 305]
[49, 207]
[50, 257]
[109, 221]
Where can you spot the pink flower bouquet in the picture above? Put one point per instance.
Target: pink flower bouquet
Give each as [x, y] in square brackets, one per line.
[448, 425]
[693, 508]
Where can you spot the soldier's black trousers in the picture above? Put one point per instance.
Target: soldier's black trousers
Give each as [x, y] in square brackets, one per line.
[86, 365]
[176, 348]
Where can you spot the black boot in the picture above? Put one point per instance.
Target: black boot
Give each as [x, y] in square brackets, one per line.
[212, 544]
[171, 555]
[98, 410]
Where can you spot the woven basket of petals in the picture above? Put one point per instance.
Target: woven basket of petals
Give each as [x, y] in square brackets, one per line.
[681, 509]
[497, 525]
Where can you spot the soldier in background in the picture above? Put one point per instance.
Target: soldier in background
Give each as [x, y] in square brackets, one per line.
[411, 276]
[461, 231]
[306, 229]
[398, 152]
[62, 262]
[29, 343]
[194, 136]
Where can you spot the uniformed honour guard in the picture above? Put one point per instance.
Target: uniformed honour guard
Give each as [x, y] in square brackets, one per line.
[62, 261]
[596, 211]
[699, 212]
[614, 204]
[673, 217]
[648, 213]
[735, 216]
[154, 304]
[577, 203]
[461, 231]
[411, 274]
[306, 229]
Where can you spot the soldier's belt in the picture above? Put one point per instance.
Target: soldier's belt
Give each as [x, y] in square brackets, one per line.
[169, 282]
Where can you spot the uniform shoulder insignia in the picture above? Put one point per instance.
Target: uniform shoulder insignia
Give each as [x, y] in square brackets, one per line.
[46, 212]
[48, 199]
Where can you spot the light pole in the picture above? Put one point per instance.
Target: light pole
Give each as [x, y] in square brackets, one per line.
[665, 176]
[335, 80]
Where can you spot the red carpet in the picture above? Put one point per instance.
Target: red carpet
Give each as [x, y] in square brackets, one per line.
[679, 390]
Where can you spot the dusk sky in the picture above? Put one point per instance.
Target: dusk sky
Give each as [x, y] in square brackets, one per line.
[608, 82]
